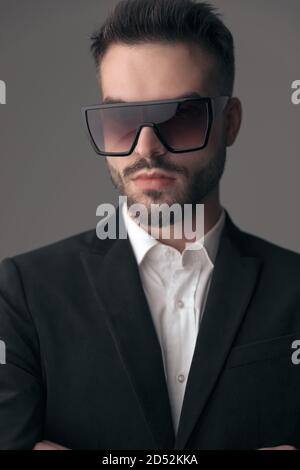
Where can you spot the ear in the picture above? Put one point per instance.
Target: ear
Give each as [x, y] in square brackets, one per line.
[233, 120]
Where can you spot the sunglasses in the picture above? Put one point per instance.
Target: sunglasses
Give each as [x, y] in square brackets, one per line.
[182, 125]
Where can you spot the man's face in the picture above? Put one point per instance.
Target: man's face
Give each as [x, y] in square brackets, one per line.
[158, 71]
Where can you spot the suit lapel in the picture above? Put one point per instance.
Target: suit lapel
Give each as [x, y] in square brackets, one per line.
[114, 276]
[232, 285]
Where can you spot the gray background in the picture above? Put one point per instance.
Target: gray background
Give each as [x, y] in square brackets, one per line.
[51, 181]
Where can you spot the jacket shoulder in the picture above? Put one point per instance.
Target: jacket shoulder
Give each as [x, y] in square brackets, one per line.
[251, 244]
[64, 246]
[278, 262]
[270, 251]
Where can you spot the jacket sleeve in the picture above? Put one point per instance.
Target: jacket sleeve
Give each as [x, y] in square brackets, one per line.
[21, 385]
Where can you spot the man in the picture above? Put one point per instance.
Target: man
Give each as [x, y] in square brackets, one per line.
[143, 342]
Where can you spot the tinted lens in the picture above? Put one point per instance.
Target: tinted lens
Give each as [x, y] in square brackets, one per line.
[187, 129]
[113, 129]
[182, 125]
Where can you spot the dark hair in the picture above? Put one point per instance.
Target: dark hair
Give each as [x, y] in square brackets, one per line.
[186, 21]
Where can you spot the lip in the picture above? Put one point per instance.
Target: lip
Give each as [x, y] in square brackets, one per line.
[154, 175]
[154, 180]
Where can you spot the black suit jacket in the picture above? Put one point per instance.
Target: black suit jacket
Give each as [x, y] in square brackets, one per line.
[84, 366]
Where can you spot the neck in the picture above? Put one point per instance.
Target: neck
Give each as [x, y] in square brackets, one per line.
[212, 212]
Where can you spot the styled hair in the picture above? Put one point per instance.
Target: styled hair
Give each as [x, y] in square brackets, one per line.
[134, 22]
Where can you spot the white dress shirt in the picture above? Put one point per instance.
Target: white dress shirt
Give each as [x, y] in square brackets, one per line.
[176, 287]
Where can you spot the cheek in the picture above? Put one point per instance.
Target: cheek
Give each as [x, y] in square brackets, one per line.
[193, 161]
[116, 163]
[217, 137]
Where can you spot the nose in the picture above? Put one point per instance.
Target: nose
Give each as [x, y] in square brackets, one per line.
[148, 142]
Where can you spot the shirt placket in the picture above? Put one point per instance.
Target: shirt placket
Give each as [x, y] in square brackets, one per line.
[180, 335]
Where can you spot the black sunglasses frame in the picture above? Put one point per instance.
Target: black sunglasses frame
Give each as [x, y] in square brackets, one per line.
[215, 105]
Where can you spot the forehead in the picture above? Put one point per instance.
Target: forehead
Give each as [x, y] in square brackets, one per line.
[156, 71]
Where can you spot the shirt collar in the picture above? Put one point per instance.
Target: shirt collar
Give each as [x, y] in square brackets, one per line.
[141, 241]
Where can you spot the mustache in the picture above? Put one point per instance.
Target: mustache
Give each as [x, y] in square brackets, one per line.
[161, 164]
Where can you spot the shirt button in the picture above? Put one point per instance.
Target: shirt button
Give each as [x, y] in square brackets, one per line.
[180, 378]
[180, 304]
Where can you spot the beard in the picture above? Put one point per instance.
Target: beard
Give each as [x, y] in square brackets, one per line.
[198, 185]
